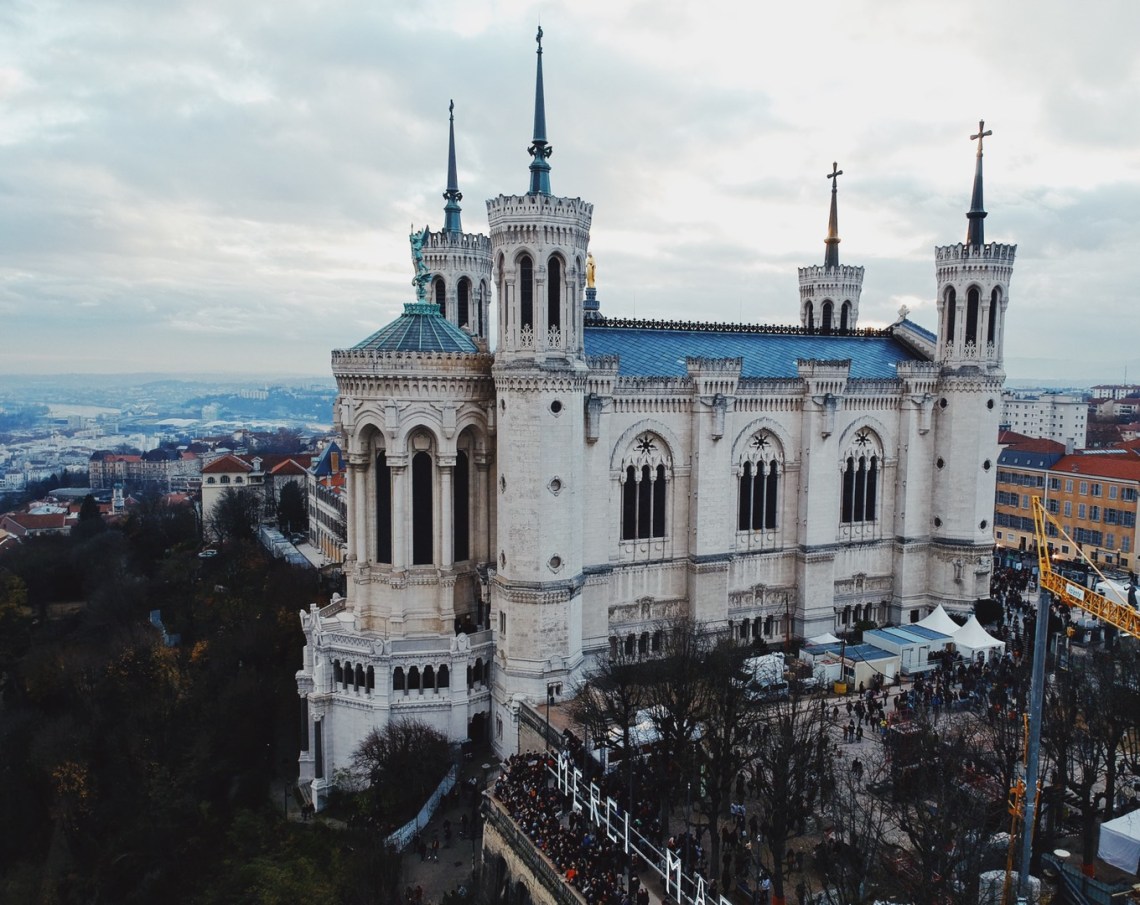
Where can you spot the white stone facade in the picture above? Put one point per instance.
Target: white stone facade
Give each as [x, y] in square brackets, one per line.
[513, 515]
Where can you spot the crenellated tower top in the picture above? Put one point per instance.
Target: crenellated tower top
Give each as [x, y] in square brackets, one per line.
[829, 295]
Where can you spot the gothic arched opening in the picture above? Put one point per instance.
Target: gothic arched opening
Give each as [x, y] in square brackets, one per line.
[422, 511]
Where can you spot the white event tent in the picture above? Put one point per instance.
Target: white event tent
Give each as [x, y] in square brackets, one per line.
[1120, 842]
[971, 640]
[940, 621]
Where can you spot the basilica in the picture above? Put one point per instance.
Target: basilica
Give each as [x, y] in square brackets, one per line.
[515, 513]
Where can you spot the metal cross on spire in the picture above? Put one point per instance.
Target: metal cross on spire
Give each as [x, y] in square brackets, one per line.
[831, 255]
[982, 133]
[975, 231]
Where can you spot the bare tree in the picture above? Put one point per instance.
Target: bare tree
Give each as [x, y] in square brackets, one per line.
[675, 700]
[730, 716]
[792, 770]
[610, 695]
[857, 824]
[939, 808]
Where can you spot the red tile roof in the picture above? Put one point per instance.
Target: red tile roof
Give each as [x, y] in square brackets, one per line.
[227, 464]
[1021, 443]
[1121, 466]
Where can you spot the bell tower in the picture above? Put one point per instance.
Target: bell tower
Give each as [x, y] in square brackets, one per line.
[973, 291]
[829, 295]
[973, 287]
[539, 242]
[459, 263]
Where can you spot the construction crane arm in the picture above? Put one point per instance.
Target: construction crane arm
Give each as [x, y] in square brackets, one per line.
[1117, 614]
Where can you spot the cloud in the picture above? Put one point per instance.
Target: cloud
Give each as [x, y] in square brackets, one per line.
[221, 185]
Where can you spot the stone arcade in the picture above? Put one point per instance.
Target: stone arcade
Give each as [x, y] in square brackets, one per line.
[514, 514]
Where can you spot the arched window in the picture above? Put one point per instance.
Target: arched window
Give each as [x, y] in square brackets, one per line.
[643, 644]
[758, 504]
[383, 509]
[439, 292]
[480, 306]
[225, 479]
[443, 677]
[237, 480]
[644, 489]
[460, 508]
[210, 481]
[656, 641]
[630, 644]
[526, 292]
[370, 679]
[995, 304]
[825, 317]
[768, 624]
[470, 677]
[413, 678]
[554, 293]
[338, 673]
[809, 316]
[463, 314]
[859, 500]
[398, 683]
[360, 681]
[951, 305]
[845, 317]
[972, 316]
[423, 533]
[429, 677]
[478, 674]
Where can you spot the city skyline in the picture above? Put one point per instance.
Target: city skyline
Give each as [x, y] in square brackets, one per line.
[231, 189]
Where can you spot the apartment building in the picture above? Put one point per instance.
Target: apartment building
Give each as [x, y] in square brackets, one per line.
[1093, 494]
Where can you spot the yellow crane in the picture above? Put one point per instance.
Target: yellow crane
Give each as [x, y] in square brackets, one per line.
[1118, 614]
[1121, 614]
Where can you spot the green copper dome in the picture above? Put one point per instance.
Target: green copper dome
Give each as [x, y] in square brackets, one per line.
[421, 328]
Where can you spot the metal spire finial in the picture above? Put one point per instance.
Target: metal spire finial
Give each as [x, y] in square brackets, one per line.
[539, 150]
[831, 256]
[975, 231]
[451, 219]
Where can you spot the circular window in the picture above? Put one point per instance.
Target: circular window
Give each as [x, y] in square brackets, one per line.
[989, 403]
[987, 465]
[937, 522]
[942, 403]
[554, 486]
[556, 406]
[555, 563]
[983, 524]
[940, 462]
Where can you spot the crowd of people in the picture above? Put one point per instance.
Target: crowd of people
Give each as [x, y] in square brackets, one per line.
[588, 860]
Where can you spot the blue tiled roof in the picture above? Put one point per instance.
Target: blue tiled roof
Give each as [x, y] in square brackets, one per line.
[922, 331]
[421, 328]
[655, 352]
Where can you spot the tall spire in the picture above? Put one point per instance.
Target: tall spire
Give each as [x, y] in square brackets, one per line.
[831, 256]
[976, 231]
[539, 150]
[451, 222]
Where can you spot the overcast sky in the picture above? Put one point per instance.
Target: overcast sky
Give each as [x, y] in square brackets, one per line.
[228, 186]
